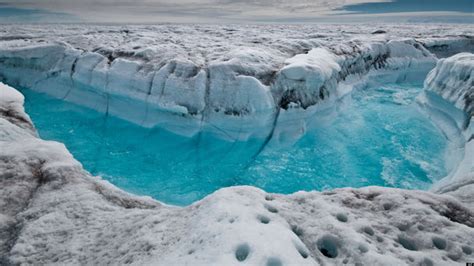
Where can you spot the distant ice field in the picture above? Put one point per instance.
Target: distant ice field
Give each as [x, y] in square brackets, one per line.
[375, 136]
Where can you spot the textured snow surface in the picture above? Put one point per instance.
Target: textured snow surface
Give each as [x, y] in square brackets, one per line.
[54, 212]
[214, 77]
[11, 109]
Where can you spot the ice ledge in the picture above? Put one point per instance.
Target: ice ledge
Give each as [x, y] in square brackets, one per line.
[54, 212]
[449, 97]
[453, 79]
[249, 85]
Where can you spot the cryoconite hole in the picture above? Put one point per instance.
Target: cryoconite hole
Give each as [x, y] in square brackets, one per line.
[376, 136]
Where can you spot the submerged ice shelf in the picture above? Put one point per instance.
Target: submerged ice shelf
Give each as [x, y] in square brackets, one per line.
[375, 136]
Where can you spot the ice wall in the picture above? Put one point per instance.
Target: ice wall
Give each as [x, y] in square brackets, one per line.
[247, 87]
[453, 80]
[449, 97]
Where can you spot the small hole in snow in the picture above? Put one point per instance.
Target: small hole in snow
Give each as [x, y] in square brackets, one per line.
[271, 209]
[268, 197]
[303, 252]
[455, 256]
[403, 227]
[263, 219]
[341, 217]
[407, 243]
[387, 206]
[328, 246]
[426, 262]
[439, 242]
[467, 250]
[274, 262]
[242, 252]
[297, 230]
[368, 230]
[363, 248]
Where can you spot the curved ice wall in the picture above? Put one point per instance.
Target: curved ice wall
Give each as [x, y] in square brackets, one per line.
[235, 92]
[449, 98]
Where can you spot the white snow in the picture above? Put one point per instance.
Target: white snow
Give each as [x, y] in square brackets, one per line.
[11, 107]
[9, 96]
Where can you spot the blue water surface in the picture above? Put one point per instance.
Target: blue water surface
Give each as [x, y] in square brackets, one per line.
[377, 137]
[399, 6]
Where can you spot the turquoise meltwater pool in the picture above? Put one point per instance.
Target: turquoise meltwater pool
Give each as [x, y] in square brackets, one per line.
[377, 137]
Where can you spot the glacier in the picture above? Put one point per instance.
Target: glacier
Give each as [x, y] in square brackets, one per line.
[54, 212]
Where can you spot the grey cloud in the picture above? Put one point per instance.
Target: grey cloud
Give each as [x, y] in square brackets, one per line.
[193, 10]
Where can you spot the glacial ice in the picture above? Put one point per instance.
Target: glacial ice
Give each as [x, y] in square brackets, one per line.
[213, 78]
[54, 212]
[449, 95]
[447, 79]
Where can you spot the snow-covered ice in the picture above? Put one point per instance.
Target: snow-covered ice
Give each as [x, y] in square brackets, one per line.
[449, 96]
[213, 78]
[453, 80]
[54, 212]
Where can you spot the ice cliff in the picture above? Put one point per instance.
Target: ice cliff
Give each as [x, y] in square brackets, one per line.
[453, 80]
[214, 78]
[449, 97]
[54, 212]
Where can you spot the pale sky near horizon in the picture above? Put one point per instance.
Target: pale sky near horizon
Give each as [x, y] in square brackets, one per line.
[236, 11]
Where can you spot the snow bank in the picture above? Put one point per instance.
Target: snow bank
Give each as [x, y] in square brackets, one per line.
[307, 78]
[11, 108]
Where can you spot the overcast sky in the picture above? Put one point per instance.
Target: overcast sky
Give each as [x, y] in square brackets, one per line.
[235, 11]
